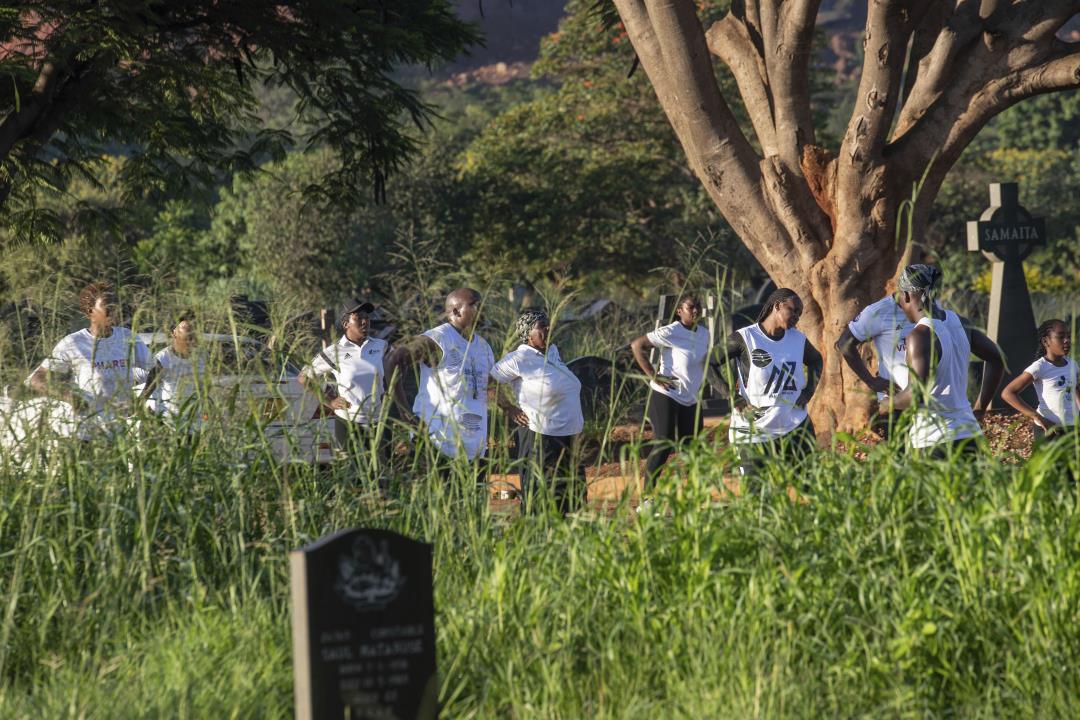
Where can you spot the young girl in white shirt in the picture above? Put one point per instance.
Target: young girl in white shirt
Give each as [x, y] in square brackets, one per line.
[1054, 375]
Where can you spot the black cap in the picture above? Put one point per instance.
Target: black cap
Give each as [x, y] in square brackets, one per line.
[353, 305]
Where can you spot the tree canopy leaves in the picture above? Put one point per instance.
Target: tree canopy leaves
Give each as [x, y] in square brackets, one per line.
[171, 85]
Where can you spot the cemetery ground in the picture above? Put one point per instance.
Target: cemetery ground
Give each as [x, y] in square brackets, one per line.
[150, 579]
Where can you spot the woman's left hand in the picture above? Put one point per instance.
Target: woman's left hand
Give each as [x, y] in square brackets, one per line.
[518, 415]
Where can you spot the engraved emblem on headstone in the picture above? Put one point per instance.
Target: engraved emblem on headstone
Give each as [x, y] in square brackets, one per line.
[368, 576]
[364, 627]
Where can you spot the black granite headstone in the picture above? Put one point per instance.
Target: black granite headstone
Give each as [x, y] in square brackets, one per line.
[1006, 233]
[363, 627]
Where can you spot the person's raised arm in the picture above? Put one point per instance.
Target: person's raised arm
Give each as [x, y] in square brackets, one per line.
[403, 357]
[814, 364]
[503, 374]
[1011, 394]
[919, 346]
[987, 350]
[43, 382]
[848, 345]
[153, 378]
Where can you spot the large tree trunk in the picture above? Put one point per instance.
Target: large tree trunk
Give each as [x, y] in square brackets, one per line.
[823, 224]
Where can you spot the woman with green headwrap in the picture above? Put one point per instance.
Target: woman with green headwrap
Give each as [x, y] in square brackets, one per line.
[938, 349]
[548, 413]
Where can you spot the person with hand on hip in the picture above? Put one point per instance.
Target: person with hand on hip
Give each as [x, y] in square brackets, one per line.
[938, 352]
[355, 362]
[672, 406]
[548, 413]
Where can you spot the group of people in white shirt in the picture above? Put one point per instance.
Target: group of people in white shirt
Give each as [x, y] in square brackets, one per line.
[916, 339]
[922, 360]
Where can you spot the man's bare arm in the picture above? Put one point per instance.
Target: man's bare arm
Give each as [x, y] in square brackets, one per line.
[848, 345]
[919, 344]
[404, 356]
[814, 364]
[42, 382]
[987, 350]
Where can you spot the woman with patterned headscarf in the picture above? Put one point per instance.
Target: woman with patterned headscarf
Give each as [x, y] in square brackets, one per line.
[548, 413]
[937, 353]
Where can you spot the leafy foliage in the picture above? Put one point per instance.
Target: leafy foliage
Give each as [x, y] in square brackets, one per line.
[587, 177]
[171, 85]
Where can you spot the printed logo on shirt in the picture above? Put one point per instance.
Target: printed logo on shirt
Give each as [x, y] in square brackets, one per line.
[110, 364]
[760, 358]
[348, 355]
[1061, 381]
[372, 351]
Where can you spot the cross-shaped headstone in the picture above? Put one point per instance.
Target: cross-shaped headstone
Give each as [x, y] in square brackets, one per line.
[1006, 233]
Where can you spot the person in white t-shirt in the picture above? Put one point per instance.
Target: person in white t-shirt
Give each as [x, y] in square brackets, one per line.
[885, 325]
[675, 387]
[97, 368]
[548, 412]
[777, 372]
[174, 378]
[1054, 375]
[451, 405]
[938, 352]
[355, 362]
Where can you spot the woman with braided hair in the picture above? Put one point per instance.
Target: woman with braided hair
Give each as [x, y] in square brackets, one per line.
[548, 413]
[777, 373]
[1054, 375]
[938, 349]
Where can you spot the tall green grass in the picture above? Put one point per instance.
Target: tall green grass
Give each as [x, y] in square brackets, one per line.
[148, 578]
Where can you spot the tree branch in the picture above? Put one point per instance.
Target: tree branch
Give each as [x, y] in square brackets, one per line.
[670, 42]
[787, 60]
[1009, 56]
[884, 43]
[729, 40]
[18, 123]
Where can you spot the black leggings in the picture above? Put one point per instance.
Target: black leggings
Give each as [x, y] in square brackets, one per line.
[794, 445]
[355, 440]
[553, 457]
[672, 424]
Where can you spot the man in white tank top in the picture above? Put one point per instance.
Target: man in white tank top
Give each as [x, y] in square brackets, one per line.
[938, 349]
[451, 405]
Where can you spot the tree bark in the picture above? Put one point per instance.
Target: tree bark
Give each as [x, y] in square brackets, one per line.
[825, 225]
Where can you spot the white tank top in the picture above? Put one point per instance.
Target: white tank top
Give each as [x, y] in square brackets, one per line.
[452, 398]
[774, 380]
[945, 413]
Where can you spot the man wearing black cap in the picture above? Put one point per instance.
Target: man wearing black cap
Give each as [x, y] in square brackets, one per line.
[356, 364]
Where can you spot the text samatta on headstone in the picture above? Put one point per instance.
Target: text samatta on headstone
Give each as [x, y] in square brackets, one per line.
[1006, 233]
[363, 627]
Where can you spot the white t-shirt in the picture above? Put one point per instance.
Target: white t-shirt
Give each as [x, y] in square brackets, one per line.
[775, 379]
[103, 371]
[683, 354]
[545, 389]
[452, 399]
[885, 324]
[945, 414]
[358, 374]
[178, 379]
[1054, 387]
